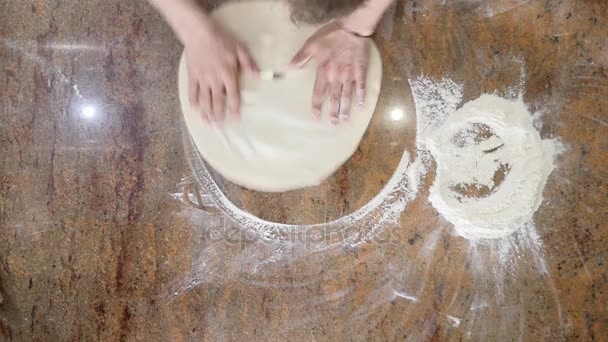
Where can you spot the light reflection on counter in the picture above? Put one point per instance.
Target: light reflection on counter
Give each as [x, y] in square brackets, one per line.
[397, 114]
[88, 112]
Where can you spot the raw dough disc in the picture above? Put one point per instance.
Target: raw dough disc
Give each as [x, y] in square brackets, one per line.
[276, 145]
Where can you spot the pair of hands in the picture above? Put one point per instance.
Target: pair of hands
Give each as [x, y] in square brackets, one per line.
[215, 58]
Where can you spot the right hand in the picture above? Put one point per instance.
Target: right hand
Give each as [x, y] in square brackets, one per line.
[342, 61]
[214, 59]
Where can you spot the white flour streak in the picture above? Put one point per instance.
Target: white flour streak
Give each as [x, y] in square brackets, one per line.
[454, 321]
[493, 8]
[405, 296]
[384, 208]
[434, 101]
[77, 91]
[29, 51]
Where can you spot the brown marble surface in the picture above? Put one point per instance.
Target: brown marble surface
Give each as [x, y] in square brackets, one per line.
[98, 242]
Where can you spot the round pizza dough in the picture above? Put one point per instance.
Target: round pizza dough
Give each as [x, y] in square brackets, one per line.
[276, 145]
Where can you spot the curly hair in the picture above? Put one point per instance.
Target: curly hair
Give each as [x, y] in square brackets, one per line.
[321, 11]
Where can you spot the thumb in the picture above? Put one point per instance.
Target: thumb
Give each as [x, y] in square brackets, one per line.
[302, 57]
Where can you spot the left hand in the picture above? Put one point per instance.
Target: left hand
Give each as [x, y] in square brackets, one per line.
[342, 60]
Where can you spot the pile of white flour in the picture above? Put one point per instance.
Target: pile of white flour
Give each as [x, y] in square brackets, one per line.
[492, 164]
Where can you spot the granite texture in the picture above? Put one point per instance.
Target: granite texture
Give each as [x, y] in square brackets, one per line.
[98, 241]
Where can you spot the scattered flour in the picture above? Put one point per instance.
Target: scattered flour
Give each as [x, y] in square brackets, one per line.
[492, 164]
[435, 101]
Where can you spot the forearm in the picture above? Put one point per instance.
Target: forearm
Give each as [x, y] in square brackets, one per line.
[364, 20]
[184, 16]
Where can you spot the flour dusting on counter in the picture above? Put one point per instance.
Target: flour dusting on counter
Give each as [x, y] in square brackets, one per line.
[384, 209]
[492, 164]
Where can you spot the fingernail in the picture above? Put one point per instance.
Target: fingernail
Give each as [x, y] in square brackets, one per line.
[343, 117]
[334, 121]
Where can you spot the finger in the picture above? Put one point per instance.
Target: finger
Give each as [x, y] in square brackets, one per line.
[218, 102]
[335, 90]
[204, 100]
[360, 79]
[234, 98]
[305, 53]
[193, 90]
[206, 118]
[345, 100]
[318, 93]
[246, 61]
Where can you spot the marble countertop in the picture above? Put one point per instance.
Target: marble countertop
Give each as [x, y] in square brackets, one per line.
[107, 231]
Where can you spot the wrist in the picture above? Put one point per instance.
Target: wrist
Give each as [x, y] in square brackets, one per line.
[357, 32]
[358, 29]
[364, 20]
[192, 27]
